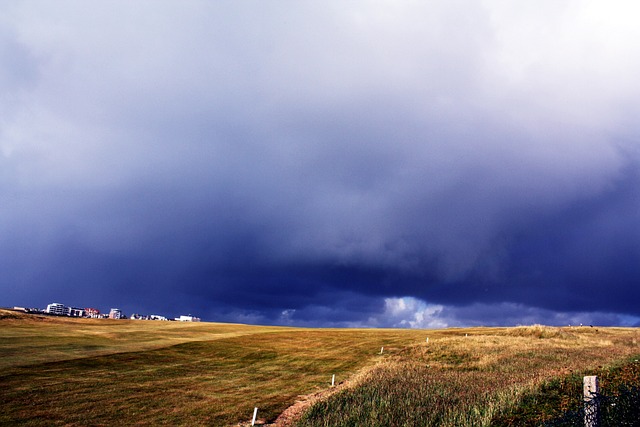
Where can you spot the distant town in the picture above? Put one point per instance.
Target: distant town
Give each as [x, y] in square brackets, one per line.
[57, 309]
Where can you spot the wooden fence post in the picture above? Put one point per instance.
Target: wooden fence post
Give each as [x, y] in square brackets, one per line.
[591, 390]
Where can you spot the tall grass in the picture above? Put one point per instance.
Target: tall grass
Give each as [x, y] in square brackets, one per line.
[467, 380]
[559, 401]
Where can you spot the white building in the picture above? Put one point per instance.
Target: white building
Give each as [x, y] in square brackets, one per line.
[115, 313]
[76, 312]
[188, 319]
[58, 309]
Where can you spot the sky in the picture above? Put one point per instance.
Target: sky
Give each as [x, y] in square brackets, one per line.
[419, 164]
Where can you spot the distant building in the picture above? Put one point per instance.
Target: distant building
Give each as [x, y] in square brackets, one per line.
[76, 312]
[116, 313]
[188, 319]
[93, 313]
[145, 317]
[57, 309]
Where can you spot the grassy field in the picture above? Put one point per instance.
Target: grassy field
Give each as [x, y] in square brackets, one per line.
[471, 378]
[58, 371]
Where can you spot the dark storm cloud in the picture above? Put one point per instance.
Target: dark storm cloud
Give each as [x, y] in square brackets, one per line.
[350, 165]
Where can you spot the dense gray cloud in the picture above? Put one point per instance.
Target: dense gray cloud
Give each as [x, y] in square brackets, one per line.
[316, 164]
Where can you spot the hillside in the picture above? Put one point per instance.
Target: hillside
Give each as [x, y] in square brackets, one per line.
[59, 371]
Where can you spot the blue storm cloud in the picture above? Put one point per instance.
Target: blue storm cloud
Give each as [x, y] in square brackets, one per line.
[404, 165]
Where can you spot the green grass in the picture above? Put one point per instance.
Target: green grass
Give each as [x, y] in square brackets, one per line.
[560, 395]
[74, 372]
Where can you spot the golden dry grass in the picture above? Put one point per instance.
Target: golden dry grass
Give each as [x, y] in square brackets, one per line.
[27, 339]
[469, 378]
[73, 372]
[167, 373]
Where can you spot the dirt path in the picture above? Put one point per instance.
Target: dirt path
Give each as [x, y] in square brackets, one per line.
[293, 413]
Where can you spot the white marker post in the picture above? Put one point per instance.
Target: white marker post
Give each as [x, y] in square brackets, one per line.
[591, 407]
[255, 413]
[333, 379]
[381, 350]
[427, 339]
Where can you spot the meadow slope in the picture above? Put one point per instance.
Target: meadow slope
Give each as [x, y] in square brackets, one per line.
[60, 371]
